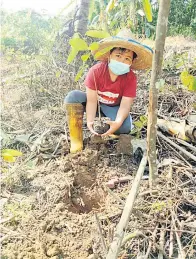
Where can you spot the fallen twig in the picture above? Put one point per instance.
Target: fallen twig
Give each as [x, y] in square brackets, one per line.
[171, 243]
[119, 234]
[177, 146]
[174, 230]
[178, 154]
[182, 253]
[186, 144]
[161, 244]
[6, 220]
[129, 236]
[100, 233]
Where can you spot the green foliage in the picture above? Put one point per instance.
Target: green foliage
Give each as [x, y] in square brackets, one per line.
[97, 34]
[139, 125]
[182, 18]
[188, 80]
[73, 53]
[159, 206]
[78, 44]
[147, 9]
[80, 72]
[182, 63]
[10, 154]
[93, 46]
[17, 209]
[28, 31]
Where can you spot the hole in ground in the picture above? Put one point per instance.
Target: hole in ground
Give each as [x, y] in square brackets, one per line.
[87, 200]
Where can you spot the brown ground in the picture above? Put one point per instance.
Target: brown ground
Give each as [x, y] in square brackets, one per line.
[52, 196]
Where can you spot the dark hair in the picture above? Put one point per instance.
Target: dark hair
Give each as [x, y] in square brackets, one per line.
[123, 50]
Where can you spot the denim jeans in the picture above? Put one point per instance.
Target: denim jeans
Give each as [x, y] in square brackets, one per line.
[77, 96]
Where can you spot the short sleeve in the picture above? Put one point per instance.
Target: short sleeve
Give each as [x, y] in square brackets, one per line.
[130, 86]
[89, 80]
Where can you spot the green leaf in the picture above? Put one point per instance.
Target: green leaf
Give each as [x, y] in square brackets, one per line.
[147, 10]
[103, 51]
[188, 80]
[138, 124]
[180, 64]
[110, 5]
[192, 86]
[184, 76]
[11, 152]
[78, 44]
[85, 57]
[58, 73]
[143, 119]
[8, 157]
[133, 131]
[72, 55]
[93, 46]
[98, 34]
[80, 72]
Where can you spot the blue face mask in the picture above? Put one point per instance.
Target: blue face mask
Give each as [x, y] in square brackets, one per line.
[118, 68]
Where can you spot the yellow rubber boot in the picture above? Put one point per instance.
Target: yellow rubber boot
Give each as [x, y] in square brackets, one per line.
[75, 113]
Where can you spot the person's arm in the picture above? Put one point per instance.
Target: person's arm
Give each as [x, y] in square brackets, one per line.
[91, 108]
[122, 114]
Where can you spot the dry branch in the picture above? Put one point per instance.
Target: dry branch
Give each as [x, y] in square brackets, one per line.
[101, 235]
[121, 227]
[177, 146]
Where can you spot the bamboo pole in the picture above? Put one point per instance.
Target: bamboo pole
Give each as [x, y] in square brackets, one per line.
[121, 227]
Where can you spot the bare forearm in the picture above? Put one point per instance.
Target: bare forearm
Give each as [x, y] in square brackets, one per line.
[124, 109]
[122, 114]
[91, 109]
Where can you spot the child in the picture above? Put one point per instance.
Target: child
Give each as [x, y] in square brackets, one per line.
[111, 82]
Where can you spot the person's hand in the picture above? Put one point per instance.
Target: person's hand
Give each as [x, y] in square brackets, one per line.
[114, 126]
[90, 127]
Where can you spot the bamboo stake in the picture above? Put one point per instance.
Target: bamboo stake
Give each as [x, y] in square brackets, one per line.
[121, 227]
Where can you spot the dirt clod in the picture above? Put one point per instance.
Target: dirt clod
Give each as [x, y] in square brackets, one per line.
[53, 250]
[101, 127]
[124, 145]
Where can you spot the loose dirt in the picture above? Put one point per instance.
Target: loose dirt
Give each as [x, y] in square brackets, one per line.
[66, 194]
[50, 197]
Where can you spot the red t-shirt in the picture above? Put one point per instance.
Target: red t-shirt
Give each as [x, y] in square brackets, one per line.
[110, 93]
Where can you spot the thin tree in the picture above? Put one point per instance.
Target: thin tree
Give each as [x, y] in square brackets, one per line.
[161, 30]
[82, 17]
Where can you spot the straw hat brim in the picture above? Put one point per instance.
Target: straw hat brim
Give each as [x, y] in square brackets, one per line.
[144, 53]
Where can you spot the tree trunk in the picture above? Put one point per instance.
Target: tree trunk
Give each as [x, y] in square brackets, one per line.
[154, 85]
[82, 17]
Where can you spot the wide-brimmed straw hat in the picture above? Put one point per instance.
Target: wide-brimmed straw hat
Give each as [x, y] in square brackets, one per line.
[125, 39]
